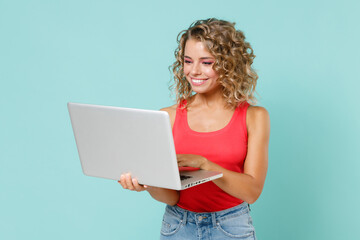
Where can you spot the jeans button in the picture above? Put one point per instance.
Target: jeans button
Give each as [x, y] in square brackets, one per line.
[200, 218]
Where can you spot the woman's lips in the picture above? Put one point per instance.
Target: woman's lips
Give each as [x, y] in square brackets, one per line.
[198, 81]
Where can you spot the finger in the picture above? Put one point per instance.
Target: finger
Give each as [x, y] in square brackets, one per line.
[122, 181]
[137, 186]
[181, 163]
[128, 182]
[179, 157]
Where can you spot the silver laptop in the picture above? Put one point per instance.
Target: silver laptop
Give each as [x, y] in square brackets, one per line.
[113, 140]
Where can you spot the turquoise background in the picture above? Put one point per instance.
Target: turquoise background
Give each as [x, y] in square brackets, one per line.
[117, 53]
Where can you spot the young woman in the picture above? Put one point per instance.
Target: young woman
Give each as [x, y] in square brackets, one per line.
[214, 128]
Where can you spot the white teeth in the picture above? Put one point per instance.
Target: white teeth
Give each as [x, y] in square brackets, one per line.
[198, 81]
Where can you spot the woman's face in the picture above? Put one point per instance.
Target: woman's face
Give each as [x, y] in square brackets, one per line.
[198, 67]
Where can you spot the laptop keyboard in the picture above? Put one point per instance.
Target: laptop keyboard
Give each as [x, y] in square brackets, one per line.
[183, 177]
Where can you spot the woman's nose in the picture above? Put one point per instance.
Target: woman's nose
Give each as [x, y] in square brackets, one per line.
[195, 70]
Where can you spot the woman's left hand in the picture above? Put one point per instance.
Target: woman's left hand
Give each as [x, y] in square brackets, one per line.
[191, 160]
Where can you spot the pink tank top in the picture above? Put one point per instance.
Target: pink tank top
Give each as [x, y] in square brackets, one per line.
[226, 147]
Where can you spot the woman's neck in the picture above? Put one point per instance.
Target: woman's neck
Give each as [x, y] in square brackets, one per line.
[213, 100]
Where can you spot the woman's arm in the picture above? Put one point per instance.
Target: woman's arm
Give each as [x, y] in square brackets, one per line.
[248, 185]
[168, 196]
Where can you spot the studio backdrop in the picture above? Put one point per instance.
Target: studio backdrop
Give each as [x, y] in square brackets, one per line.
[117, 53]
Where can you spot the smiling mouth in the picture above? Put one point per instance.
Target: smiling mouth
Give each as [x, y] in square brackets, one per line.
[198, 82]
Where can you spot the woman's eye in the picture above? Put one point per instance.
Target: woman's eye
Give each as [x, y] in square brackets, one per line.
[207, 63]
[187, 61]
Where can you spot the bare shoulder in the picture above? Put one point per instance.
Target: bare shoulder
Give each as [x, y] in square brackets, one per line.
[172, 112]
[257, 118]
[257, 112]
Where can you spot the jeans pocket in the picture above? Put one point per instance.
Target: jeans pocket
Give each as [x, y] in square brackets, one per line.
[237, 226]
[170, 224]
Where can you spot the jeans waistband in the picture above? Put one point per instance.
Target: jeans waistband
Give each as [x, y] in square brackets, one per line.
[206, 217]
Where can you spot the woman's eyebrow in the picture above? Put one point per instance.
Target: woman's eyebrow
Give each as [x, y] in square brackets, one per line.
[200, 58]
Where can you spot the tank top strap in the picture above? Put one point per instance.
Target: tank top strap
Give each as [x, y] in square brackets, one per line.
[242, 110]
[182, 104]
[181, 110]
[180, 116]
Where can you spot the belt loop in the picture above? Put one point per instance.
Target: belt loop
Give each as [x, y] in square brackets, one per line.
[213, 217]
[185, 217]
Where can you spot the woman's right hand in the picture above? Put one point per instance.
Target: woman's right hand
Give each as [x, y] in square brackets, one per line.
[127, 182]
[168, 196]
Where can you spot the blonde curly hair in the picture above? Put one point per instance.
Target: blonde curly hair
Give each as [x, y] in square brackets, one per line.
[233, 59]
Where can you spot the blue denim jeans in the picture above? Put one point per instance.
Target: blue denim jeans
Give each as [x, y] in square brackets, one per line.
[232, 223]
